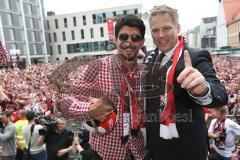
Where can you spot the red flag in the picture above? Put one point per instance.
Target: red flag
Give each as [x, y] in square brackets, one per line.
[5, 58]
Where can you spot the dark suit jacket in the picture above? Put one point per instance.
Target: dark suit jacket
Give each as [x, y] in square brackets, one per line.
[192, 144]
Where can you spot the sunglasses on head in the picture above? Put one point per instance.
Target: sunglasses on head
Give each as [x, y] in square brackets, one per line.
[125, 37]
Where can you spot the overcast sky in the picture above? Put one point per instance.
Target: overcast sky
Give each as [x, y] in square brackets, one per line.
[190, 11]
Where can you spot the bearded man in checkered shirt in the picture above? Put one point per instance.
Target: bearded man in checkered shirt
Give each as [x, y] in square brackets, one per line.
[116, 79]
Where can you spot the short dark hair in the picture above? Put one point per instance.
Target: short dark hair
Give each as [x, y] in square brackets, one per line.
[7, 113]
[30, 115]
[131, 21]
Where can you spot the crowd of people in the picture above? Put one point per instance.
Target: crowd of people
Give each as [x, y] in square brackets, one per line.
[73, 89]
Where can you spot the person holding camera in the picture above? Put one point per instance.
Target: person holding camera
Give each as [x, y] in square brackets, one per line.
[36, 149]
[58, 140]
[224, 132]
[8, 137]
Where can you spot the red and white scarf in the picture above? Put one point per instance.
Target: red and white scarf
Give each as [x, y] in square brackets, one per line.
[168, 128]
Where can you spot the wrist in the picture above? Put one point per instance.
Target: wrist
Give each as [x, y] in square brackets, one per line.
[66, 150]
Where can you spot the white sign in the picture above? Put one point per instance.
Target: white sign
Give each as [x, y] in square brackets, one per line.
[14, 52]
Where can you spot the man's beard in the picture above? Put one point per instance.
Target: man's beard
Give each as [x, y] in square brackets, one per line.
[128, 56]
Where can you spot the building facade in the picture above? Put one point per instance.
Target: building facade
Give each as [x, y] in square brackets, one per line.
[193, 37]
[227, 11]
[208, 32]
[22, 29]
[234, 32]
[88, 33]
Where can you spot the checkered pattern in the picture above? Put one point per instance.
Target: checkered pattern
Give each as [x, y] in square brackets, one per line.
[5, 58]
[101, 78]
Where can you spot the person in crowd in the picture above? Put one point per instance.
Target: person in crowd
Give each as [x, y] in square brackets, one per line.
[224, 131]
[8, 137]
[112, 84]
[236, 154]
[58, 140]
[33, 139]
[20, 142]
[184, 82]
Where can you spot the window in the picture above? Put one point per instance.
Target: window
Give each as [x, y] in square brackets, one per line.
[84, 20]
[135, 11]
[51, 50]
[7, 19]
[114, 14]
[109, 15]
[59, 49]
[36, 23]
[119, 13]
[82, 33]
[74, 21]
[49, 37]
[55, 37]
[64, 36]
[130, 11]
[73, 35]
[104, 17]
[48, 26]
[91, 32]
[101, 31]
[99, 18]
[94, 18]
[65, 22]
[11, 33]
[56, 23]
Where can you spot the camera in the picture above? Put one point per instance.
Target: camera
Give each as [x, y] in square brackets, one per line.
[220, 141]
[48, 122]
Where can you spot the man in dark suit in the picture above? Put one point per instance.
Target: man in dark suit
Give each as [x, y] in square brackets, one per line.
[181, 81]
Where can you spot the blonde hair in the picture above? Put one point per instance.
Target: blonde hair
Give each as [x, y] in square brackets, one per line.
[163, 9]
[222, 110]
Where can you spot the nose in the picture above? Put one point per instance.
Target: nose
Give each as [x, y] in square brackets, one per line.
[161, 33]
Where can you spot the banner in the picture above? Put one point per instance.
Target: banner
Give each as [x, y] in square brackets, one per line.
[110, 29]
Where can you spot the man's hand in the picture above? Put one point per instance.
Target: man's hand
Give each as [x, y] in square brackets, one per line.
[216, 135]
[61, 152]
[99, 110]
[191, 79]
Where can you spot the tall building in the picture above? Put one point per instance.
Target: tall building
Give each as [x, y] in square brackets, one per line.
[208, 32]
[227, 11]
[88, 33]
[234, 31]
[193, 37]
[22, 29]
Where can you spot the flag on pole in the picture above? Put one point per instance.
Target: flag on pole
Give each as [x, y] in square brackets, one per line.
[5, 58]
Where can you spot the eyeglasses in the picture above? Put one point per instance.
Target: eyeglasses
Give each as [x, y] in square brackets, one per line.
[125, 37]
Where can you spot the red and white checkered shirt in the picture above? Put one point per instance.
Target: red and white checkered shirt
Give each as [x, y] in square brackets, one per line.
[102, 78]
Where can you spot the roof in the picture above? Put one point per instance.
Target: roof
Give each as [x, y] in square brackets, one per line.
[231, 9]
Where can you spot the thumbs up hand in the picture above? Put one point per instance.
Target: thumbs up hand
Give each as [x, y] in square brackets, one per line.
[191, 79]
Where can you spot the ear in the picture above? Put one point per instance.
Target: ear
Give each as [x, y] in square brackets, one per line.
[142, 43]
[115, 38]
[178, 28]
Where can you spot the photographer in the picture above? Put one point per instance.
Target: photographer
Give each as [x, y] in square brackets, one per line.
[58, 140]
[224, 131]
[33, 140]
